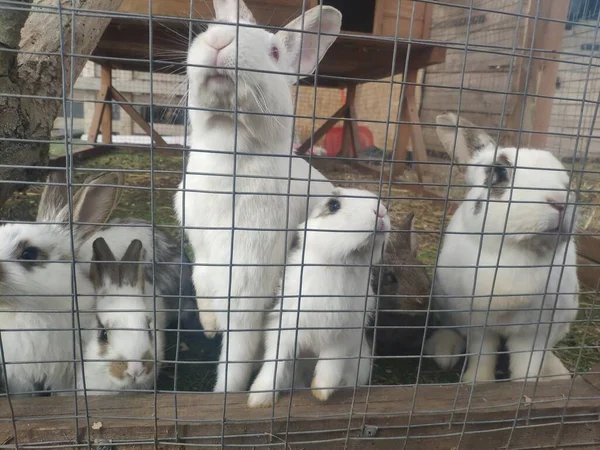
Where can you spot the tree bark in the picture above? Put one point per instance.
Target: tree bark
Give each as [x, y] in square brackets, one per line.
[38, 68]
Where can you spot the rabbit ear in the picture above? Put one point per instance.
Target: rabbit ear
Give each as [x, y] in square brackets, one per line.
[307, 49]
[96, 200]
[408, 240]
[103, 264]
[130, 273]
[468, 140]
[54, 198]
[227, 11]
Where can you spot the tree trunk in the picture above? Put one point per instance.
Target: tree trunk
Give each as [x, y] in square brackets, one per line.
[39, 68]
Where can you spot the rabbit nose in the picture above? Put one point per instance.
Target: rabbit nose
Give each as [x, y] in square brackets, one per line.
[559, 206]
[381, 213]
[135, 369]
[219, 41]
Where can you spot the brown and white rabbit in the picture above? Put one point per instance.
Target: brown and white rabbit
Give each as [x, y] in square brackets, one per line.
[403, 295]
[120, 354]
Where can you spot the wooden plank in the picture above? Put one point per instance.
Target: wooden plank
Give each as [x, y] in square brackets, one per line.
[589, 246]
[103, 95]
[106, 79]
[323, 129]
[588, 273]
[549, 42]
[273, 12]
[416, 133]
[429, 416]
[378, 19]
[427, 14]
[352, 125]
[137, 118]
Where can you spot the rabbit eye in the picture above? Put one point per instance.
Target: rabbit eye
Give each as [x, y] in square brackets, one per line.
[149, 326]
[30, 253]
[500, 174]
[333, 205]
[275, 53]
[102, 333]
[390, 278]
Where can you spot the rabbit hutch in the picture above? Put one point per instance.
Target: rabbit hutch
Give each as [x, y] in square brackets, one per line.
[525, 71]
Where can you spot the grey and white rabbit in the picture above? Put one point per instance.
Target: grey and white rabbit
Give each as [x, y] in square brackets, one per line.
[508, 259]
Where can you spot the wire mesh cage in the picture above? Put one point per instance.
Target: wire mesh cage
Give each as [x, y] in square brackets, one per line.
[299, 224]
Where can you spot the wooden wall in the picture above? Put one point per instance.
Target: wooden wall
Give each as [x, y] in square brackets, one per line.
[578, 90]
[486, 71]
[507, 55]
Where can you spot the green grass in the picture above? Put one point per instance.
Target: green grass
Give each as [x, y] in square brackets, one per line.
[580, 349]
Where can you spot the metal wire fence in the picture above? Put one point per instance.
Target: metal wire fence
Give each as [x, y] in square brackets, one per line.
[350, 230]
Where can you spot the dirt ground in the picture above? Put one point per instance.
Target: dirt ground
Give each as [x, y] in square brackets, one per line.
[581, 349]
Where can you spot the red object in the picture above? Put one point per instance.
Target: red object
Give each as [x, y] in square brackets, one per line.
[334, 137]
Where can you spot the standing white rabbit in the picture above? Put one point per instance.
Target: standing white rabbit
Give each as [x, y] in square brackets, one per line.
[120, 354]
[327, 288]
[525, 288]
[260, 134]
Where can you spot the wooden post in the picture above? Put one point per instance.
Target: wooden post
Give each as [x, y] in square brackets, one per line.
[137, 118]
[550, 43]
[542, 74]
[103, 95]
[106, 79]
[350, 137]
[409, 112]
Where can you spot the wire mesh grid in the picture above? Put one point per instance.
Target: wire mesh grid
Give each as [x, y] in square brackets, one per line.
[329, 234]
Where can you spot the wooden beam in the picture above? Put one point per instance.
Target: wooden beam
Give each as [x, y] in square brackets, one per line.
[549, 44]
[416, 133]
[106, 79]
[350, 137]
[103, 96]
[137, 118]
[588, 272]
[323, 129]
[427, 416]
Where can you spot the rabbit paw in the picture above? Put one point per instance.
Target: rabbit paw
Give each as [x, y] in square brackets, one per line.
[261, 399]
[320, 394]
[208, 320]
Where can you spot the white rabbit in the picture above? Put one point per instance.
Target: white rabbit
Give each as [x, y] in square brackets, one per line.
[263, 142]
[120, 353]
[326, 290]
[526, 287]
[29, 282]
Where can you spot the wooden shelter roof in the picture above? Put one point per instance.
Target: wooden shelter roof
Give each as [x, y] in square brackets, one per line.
[357, 56]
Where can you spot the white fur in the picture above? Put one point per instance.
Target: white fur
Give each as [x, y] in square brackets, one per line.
[260, 201]
[28, 296]
[517, 303]
[36, 305]
[129, 319]
[329, 298]
[446, 345]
